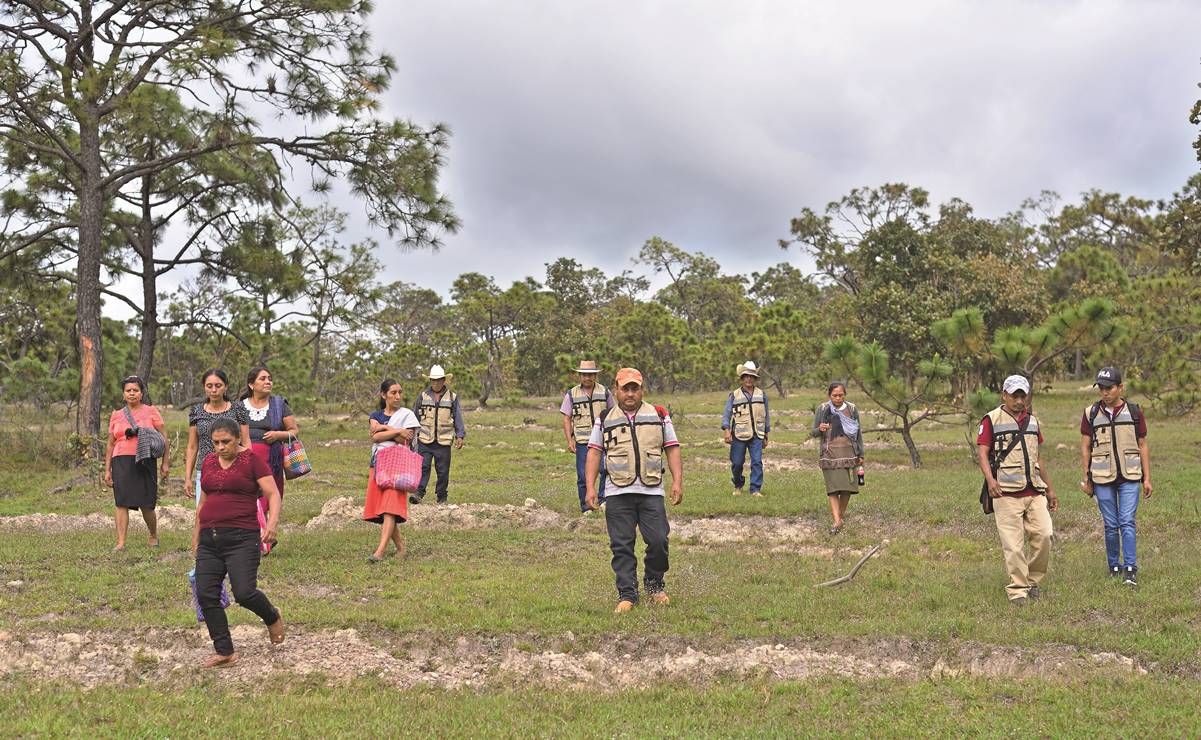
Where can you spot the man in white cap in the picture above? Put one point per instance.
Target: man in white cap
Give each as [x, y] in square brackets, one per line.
[1017, 488]
[746, 423]
[1113, 448]
[636, 439]
[437, 408]
[581, 407]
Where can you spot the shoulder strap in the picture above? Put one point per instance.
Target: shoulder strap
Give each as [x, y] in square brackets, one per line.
[1136, 414]
[1017, 439]
[129, 417]
[662, 412]
[605, 414]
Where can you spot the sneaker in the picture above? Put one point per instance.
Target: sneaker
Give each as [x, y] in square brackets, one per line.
[757, 494]
[1115, 572]
[1018, 601]
[623, 606]
[1129, 578]
[737, 492]
[1033, 592]
[414, 498]
[443, 501]
[660, 598]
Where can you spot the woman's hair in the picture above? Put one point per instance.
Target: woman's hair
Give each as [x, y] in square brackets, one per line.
[141, 386]
[836, 384]
[384, 387]
[226, 424]
[218, 373]
[250, 378]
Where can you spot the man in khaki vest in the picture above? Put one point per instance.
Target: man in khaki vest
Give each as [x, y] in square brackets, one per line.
[1008, 448]
[437, 409]
[1113, 451]
[581, 407]
[746, 422]
[635, 437]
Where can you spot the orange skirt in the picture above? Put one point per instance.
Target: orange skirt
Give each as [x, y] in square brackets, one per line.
[384, 501]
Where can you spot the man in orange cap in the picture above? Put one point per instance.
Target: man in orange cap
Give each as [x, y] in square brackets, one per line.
[635, 437]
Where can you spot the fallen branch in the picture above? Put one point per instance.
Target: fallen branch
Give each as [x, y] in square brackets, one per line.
[77, 481]
[849, 576]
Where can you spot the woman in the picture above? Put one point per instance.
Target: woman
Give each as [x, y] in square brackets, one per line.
[270, 420]
[134, 486]
[200, 423]
[837, 423]
[392, 424]
[226, 537]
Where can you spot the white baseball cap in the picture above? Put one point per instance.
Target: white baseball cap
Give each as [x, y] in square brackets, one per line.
[1016, 383]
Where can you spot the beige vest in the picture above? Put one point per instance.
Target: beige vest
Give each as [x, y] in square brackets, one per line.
[585, 410]
[437, 418]
[1019, 470]
[633, 452]
[748, 419]
[1115, 445]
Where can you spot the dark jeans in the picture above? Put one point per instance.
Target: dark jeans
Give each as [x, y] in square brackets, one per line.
[235, 552]
[648, 513]
[738, 450]
[439, 456]
[581, 457]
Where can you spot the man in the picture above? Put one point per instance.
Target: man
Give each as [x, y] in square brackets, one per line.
[747, 422]
[634, 438]
[1113, 451]
[441, 418]
[581, 407]
[1008, 447]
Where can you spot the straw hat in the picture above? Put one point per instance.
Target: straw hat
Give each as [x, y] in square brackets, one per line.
[587, 367]
[748, 368]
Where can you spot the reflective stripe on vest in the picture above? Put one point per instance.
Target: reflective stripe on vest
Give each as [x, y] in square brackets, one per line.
[437, 418]
[1115, 446]
[748, 418]
[1019, 470]
[586, 409]
[633, 452]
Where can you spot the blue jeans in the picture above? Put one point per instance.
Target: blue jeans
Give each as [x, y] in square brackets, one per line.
[738, 450]
[581, 457]
[1118, 502]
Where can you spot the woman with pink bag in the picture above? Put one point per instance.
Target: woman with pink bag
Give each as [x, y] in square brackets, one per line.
[391, 425]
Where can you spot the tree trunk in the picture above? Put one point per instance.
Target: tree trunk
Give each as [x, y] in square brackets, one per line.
[87, 286]
[1078, 368]
[145, 249]
[915, 457]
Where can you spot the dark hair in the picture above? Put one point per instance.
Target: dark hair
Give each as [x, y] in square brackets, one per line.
[383, 388]
[225, 424]
[250, 378]
[220, 374]
[836, 384]
[141, 386]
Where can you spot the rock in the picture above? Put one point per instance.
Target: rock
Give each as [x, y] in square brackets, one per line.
[530, 503]
[15, 584]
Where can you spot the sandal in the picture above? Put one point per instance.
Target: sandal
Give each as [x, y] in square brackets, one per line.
[275, 630]
[216, 661]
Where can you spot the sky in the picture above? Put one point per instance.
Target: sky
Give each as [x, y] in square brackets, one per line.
[583, 128]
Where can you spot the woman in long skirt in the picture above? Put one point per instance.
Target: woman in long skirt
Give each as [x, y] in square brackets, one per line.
[393, 423]
[837, 424]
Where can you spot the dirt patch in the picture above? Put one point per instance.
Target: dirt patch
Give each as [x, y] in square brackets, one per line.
[171, 657]
[170, 518]
[347, 511]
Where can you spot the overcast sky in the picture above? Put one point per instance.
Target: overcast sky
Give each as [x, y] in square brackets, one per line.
[582, 128]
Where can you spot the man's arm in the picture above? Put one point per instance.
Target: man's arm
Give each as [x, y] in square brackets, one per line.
[1086, 451]
[994, 488]
[591, 470]
[676, 465]
[1146, 454]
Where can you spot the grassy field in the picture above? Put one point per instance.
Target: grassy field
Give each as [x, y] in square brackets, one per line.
[1092, 657]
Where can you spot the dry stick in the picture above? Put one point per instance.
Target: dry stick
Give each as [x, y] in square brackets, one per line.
[849, 576]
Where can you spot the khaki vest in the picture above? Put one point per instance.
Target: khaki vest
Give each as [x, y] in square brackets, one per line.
[633, 452]
[586, 409]
[1115, 445]
[748, 419]
[1019, 470]
[437, 418]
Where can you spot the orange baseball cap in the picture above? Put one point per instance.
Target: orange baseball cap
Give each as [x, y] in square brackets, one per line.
[628, 375]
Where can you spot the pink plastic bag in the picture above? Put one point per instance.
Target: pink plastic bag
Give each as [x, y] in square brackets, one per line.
[261, 511]
[398, 467]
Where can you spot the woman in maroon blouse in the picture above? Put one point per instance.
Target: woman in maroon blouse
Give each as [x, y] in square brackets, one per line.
[226, 537]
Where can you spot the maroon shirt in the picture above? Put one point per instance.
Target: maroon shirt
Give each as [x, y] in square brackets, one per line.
[231, 494]
[984, 438]
[1140, 430]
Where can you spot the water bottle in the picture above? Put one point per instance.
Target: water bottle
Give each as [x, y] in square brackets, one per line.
[859, 474]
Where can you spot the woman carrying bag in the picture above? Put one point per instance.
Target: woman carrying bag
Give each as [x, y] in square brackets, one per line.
[391, 425]
[841, 454]
[130, 470]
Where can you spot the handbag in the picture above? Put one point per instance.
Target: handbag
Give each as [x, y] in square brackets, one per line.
[151, 443]
[196, 595]
[398, 467]
[296, 460]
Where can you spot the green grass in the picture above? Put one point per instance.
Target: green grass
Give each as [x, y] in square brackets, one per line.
[939, 583]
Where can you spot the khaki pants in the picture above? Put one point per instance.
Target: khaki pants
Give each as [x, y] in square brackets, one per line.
[1019, 520]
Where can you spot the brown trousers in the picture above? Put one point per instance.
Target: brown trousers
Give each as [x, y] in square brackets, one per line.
[1022, 520]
